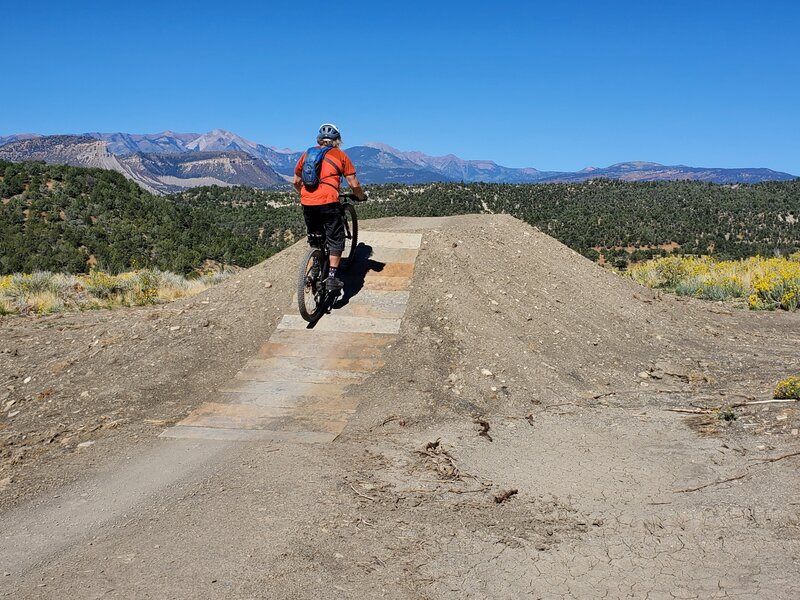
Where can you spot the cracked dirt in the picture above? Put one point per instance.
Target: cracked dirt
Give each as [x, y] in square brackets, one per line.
[520, 366]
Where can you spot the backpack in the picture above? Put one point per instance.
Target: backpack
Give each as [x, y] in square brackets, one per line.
[312, 165]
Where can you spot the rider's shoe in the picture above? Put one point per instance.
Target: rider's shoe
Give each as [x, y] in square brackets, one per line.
[333, 284]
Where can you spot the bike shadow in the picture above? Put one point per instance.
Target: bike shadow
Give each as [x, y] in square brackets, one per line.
[353, 278]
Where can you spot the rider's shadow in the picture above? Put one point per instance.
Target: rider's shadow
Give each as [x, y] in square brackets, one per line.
[353, 278]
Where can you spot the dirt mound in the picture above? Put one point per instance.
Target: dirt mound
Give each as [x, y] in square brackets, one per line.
[502, 316]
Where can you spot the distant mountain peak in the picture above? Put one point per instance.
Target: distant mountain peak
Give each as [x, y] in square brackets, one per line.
[383, 147]
[636, 164]
[221, 140]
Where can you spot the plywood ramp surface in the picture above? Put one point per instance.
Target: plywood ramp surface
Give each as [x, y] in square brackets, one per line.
[296, 387]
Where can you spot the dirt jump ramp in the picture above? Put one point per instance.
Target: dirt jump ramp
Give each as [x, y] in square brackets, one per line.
[295, 389]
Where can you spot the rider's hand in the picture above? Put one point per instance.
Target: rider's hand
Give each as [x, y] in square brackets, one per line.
[365, 198]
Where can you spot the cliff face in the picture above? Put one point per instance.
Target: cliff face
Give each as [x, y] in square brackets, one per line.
[159, 173]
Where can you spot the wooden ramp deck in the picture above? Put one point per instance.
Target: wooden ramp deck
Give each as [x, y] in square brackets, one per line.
[296, 387]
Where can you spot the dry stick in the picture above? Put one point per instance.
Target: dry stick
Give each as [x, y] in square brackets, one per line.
[700, 487]
[775, 401]
[739, 476]
[360, 494]
[777, 458]
[710, 409]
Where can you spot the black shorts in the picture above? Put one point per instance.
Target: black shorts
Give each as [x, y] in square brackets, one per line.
[327, 219]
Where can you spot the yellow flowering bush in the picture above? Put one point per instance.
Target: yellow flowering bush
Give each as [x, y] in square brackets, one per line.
[788, 389]
[5, 283]
[765, 283]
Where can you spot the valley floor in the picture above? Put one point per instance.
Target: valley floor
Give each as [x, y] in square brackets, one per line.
[520, 441]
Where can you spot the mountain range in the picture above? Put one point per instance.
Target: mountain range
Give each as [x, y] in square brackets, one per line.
[168, 161]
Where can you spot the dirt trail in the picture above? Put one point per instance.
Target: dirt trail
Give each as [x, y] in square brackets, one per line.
[516, 443]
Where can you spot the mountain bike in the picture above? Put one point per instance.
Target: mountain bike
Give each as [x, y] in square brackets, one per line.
[312, 297]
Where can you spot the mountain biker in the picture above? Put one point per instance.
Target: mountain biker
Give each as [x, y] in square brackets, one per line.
[321, 207]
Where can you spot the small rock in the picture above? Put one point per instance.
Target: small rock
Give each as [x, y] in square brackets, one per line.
[268, 284]
[338, 555]
[486, 373]
[175, 328]
[781, 418]
[795, 431]
[204, 322]
[644, 374]
[85, 444]
[494, 303]
[13, 414]
[26, 380]
[85, 394]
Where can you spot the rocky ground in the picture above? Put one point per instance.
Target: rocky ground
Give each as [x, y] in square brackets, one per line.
[542, 428]
[73, 379]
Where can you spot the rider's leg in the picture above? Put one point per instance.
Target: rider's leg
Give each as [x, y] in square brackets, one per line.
[314, 225]
[334, 233]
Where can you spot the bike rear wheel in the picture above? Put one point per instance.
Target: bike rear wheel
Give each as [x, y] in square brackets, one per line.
[351, 235]
[310, 284]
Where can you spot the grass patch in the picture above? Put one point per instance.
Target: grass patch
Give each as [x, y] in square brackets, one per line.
[765, 283]
[44, 293]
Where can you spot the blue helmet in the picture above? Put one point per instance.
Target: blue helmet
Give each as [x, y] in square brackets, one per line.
[328, 131]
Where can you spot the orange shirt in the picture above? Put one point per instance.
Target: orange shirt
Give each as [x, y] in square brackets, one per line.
[328, 189]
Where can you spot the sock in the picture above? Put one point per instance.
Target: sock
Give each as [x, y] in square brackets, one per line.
[332, 271]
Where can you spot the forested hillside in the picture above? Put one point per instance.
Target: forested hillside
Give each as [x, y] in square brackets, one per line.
[69, 218]
[625, 219]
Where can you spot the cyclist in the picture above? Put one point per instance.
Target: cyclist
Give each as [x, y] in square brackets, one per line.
[321, 207]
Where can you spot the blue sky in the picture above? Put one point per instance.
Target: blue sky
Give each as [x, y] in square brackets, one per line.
[555, 85]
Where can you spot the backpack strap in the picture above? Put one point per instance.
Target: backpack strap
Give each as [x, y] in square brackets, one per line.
[338, 173]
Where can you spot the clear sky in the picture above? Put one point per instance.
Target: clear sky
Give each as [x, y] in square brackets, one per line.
[552, 85]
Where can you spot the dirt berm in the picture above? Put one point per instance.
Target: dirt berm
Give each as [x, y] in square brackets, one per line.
[541, 428]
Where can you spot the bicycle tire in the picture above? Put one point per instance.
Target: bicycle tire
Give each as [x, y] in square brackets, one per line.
[351, 241]
[310, 288]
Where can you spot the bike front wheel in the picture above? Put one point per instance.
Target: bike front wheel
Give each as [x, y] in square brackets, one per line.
[350, 235]
[310, 284]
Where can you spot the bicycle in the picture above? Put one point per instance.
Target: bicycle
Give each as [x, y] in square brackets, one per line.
[312, 297]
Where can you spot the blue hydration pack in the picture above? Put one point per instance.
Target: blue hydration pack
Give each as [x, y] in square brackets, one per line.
[312, 165]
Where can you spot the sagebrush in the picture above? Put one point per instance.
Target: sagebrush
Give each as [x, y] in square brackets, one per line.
[43, 292]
